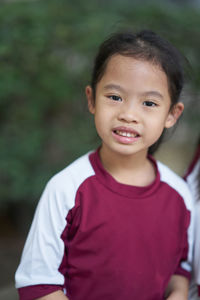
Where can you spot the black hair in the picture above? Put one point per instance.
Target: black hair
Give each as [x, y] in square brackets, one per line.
[148, 46]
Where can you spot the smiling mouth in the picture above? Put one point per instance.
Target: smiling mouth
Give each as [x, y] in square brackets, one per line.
[126, 134]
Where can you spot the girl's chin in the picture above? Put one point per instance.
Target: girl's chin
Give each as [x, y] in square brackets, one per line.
[123, 150]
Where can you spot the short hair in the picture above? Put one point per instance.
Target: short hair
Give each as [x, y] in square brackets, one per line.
[148, 46]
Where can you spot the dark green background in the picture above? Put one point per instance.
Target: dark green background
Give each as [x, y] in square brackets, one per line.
[46, 55]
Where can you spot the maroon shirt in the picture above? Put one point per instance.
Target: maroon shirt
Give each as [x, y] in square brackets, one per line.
[113, 241]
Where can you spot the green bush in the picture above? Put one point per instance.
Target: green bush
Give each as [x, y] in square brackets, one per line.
[46, 53]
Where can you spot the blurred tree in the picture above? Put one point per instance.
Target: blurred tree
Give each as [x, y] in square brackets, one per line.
[46, 53]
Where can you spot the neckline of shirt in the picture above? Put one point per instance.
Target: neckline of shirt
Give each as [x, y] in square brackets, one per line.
[122, 189]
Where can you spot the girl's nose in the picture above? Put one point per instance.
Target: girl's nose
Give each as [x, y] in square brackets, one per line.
[129, 113]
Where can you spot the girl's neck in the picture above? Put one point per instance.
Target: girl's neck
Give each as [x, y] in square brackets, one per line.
[134, 169]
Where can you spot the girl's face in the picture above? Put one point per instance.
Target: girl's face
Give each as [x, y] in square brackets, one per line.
[132, 105]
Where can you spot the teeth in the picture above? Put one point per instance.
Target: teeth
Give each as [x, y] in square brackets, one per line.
[127, 134]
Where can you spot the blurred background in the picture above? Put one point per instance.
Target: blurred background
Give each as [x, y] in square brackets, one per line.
[46, 56]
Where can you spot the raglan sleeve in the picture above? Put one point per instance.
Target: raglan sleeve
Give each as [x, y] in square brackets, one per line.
[38, 272]
[184, 266]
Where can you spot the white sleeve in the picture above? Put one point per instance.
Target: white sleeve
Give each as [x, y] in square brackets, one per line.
[44, 248]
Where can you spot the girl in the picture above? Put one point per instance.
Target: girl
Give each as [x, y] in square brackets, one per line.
[193, 179]
[116, 224]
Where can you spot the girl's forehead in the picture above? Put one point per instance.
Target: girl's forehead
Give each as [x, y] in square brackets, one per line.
[130, 70]
[117, 62]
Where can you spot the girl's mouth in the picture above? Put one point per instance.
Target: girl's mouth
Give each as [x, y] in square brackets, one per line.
[126, 133]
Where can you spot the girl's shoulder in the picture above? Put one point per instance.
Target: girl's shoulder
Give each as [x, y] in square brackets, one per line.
[176, 182]
[73, 175]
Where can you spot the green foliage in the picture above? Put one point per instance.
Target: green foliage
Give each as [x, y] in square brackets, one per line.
[46, 54]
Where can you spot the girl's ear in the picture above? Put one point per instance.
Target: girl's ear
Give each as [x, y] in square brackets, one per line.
[174, 114]
[90, 99]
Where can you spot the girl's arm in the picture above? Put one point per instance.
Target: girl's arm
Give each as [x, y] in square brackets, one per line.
[58, 295]
[177, 288]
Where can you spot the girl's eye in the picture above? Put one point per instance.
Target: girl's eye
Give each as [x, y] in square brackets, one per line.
[115, 98]
[149, 103]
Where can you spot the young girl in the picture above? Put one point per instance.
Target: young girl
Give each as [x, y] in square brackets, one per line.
[193, 178]
[116, 224]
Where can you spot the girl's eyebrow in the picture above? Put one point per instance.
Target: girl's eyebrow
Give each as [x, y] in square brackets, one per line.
[112, 86]
[153, 94]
